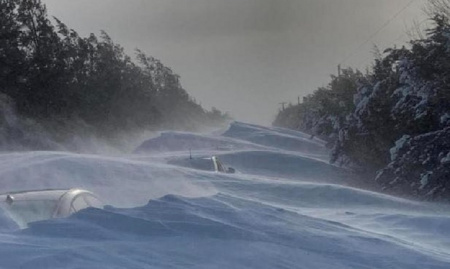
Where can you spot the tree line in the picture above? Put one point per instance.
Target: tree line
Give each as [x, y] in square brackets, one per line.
[54, 77]
[393, 122]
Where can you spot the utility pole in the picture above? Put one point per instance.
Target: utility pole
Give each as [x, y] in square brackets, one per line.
[298, 100]
[339, 70]
[282, 105]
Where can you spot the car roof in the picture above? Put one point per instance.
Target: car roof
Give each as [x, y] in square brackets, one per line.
[48, 194]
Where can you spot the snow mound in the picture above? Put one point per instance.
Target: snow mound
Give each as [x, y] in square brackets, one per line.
[182, 141]
[285, 208]
[103, 175]
[214, 232]
[276, 138]
[285, 165]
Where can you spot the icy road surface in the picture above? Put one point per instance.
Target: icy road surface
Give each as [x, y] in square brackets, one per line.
[286, 207]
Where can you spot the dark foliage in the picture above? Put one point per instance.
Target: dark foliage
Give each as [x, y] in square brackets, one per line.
[406, 93]
[420, 166]
[55, 77]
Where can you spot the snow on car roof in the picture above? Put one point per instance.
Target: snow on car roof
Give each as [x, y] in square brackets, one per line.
[48, 194]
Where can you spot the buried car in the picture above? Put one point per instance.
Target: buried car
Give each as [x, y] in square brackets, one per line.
[207, 164]
[29, 206]
[219, 167]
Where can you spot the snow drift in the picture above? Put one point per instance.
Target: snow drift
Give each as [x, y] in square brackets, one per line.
[285, 208]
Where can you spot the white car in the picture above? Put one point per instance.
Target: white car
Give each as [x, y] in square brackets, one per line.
[29, 206]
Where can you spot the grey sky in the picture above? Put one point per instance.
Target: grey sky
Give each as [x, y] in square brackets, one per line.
[246, 56]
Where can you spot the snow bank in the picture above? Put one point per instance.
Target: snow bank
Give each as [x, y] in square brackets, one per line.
[276, 138]
[215, 232]
[182, 141]
[266, 216]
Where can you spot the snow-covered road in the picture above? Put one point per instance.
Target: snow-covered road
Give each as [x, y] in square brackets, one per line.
[286, 207]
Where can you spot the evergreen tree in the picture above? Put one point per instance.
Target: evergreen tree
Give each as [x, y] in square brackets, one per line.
[59, 79]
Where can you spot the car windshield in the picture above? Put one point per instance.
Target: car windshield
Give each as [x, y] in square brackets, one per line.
[26, 211]
[220, 167]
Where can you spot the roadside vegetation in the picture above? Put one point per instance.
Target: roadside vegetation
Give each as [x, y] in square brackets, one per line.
[391, 123]
[52, 80]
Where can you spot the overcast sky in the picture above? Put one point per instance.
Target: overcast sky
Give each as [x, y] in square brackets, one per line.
[247, 56]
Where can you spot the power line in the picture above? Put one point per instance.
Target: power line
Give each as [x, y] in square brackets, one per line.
[377, 31]
[391, 43]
